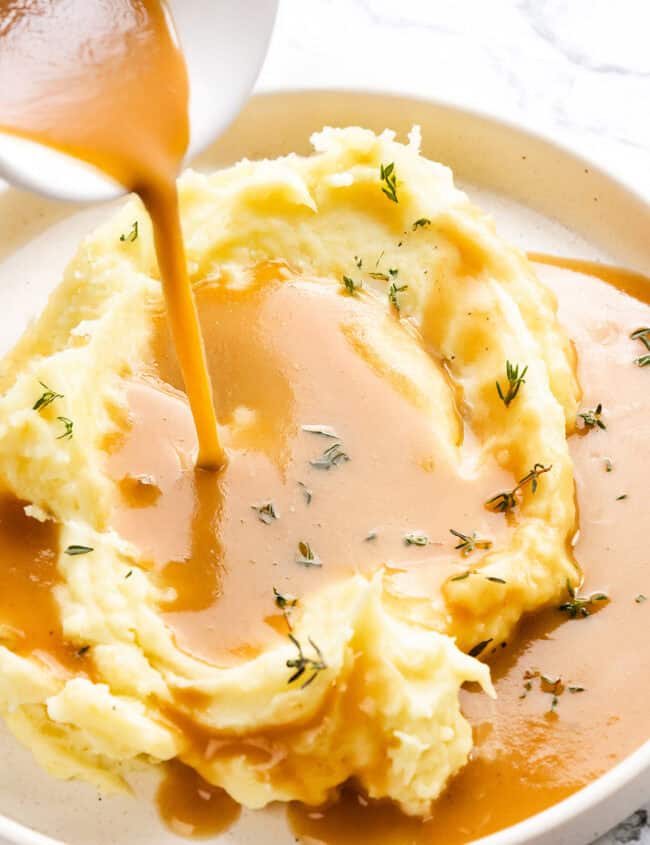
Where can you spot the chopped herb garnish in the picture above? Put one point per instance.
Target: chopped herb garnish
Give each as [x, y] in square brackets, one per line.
[266, 512]
[417, 538]
[351, 286]
[358, 261]
[78, 550]
[462, 576]
[479, 647]
[505, 502]
[640, 598]
[68, 425]
[421, 223]
[304, 664]
[325, 430]
[284, 602]
[643, 335]
[515, 380]
[81, 651]
[621, 497]
[392, 294]
[495, 579]
[388, 176]
[331, 457]
[469, 542]
[46, 398]
[528, 685]
[580, 606]
[371, 535]
[383, 277]
[132, 234]
[574, 690]
[128, 574]
[609, 466]
[592, 419]
[306, 555]
[306, 492]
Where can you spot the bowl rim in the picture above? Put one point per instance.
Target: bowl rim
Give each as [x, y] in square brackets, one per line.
[635, 765]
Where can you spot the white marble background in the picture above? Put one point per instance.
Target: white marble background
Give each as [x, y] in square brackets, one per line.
[577, 69]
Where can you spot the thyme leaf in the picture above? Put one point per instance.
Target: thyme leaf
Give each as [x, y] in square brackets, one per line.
[416, 538]
[505, 502]
[392, 294]
[469, 542]
[78, 550]
[388, 176]
[515, 379]
[579, 607]
[324, 430]
[421, 223]
[592, 418]
[331, 457]
[306, 492]
[351, 286]
[68, 426]
[306, 555]
[479, 648]
[266, 512]
[46, 398]
[303, 664]
[131, 235]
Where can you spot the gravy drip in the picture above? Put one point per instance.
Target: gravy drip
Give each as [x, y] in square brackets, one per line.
[106, 82]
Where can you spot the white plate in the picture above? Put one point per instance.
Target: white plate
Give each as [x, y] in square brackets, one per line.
[544, 198]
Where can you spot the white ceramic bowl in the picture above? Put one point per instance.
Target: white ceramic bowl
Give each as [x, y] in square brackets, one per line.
[544, 198]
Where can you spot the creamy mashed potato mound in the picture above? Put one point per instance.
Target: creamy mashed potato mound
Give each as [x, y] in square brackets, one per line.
[386, 709]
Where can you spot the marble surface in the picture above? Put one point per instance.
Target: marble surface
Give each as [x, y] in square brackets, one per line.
[578, 70]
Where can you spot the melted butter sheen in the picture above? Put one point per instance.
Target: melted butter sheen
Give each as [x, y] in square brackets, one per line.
[281, 356]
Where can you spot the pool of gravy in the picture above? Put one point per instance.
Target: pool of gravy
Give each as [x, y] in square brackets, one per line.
[531, 751]
[284, 354]
[106, 82]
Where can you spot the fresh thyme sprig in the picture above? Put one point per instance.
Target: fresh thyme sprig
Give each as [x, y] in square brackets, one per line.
[505, 502]
[131, 235]
[351, 286]
[266, 512]
[306, 555]
[515, 380]
[46, 398]
[306, 492]
[331, 457]
[388, 176]
[303, 664]
[592, 418]
[580, 606]
[68, 426]
[642, 334]
[469, 542]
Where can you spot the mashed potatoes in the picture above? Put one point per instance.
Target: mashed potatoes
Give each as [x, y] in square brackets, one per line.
[384, 709]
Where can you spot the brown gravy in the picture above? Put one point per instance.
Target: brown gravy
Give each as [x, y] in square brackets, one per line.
[106, 82]
[263, 358]
[190, 806]
[29, 615]
[527, 756]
